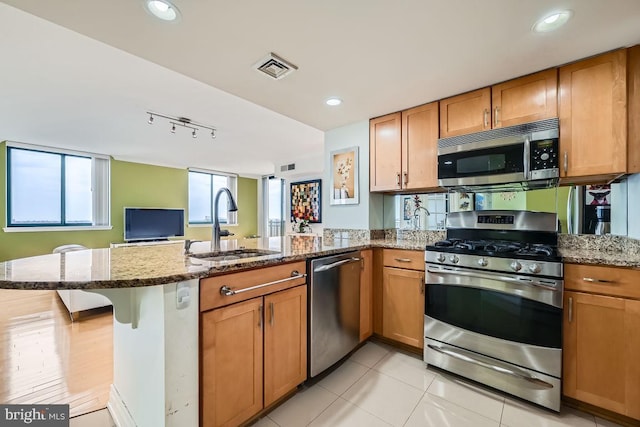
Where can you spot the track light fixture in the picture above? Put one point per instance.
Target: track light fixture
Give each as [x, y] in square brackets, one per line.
[184, 122]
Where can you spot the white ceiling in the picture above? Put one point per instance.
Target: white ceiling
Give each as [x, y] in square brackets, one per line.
[63, 89]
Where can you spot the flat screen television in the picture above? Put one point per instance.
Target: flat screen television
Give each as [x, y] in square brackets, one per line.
[152, 223]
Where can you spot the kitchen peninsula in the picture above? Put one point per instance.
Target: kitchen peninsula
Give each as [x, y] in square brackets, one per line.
[156, 343]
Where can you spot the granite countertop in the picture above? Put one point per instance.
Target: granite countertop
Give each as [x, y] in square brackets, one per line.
[597, 257]
[609, 250]
[134, 266]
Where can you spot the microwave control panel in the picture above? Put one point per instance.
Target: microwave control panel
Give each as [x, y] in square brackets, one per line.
[544, 159]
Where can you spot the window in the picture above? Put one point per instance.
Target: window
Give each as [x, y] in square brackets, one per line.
[272, 206]
[203, 187]
[56, 188]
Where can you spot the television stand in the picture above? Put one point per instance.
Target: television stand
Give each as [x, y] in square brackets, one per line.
[146, 243]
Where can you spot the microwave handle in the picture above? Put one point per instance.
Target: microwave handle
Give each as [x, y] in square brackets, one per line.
[526, 161]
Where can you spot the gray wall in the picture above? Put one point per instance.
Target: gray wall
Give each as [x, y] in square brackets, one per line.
[368, 213]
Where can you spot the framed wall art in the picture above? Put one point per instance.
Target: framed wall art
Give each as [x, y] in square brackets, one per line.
[306, 200]
[460, 202]
[344, 177]
[407, 206]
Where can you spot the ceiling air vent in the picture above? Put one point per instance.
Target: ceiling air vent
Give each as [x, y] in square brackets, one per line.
[275, 67]
[289, 167]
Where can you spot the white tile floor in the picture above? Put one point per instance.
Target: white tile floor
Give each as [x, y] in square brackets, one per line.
[380, 386]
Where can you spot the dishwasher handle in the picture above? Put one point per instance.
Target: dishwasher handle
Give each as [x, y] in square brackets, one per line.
[326, 267]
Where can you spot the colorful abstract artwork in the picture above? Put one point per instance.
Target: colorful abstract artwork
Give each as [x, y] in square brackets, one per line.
[306, 200]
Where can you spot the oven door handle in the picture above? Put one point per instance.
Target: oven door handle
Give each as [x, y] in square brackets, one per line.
[493, 277]
[457, 354]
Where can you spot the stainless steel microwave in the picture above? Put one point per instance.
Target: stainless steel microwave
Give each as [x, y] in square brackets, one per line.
[524, 154]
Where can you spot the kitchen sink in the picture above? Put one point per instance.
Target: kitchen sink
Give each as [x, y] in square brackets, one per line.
[232, 255]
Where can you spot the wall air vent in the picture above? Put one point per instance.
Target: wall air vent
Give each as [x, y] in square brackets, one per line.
[274, 66]
[289, 167]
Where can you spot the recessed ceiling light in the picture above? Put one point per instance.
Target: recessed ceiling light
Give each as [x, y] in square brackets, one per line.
[162, 9]
[552, 22]
[334, 101]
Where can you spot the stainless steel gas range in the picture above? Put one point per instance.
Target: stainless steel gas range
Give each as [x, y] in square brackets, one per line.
[493, 302]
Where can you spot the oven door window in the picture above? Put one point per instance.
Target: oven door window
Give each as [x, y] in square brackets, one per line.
[489, 161]
[496, 314]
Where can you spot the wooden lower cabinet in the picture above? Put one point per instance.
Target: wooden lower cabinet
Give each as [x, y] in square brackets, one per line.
[366, 295]
[232, 363]
[285, 342]
[403, 305]
[601, 350]
[238, 341]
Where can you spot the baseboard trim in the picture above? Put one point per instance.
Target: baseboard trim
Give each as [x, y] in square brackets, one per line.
[118, 409]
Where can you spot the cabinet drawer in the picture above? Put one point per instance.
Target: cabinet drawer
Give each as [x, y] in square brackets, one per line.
[210, 296]
[399, 258]
[615, 281]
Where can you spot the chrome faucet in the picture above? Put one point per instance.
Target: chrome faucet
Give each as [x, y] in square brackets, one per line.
[231, 207]
[187, 245]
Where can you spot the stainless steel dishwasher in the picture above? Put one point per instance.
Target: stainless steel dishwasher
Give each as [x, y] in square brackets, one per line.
[334, 307]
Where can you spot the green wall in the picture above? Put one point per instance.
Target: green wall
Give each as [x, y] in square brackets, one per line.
[545, 201]
[132, 184]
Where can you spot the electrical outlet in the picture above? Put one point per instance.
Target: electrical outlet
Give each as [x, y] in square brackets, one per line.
[183, 296]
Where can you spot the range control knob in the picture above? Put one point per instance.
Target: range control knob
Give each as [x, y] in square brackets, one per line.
[516, 266]
[482, 262]
[534, 268]
[440, 258]
[454, 259]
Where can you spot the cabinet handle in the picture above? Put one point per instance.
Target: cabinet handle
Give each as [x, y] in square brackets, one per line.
[495, 116]
[592, 280]
[422, 286]
[406, 178]
[273, 315]
[485, 118]
[398, 179]
[566, 162]
[402, 259]
[570, 309]
[260, 316]
[227, 291]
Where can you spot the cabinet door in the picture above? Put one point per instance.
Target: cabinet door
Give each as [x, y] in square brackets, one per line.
[231, 363]
[466, 113]
[601, 344]
[420, 147]
[526, 99]
[366, 294]
[403, 306]
[385, 153]
[593, 116]
[285, 342]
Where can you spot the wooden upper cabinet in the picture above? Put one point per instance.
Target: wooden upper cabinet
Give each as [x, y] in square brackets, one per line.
[466, 113]
[593, 117]
[385, 153]
[526, 99]
[420, 147]
[522, 100]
